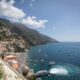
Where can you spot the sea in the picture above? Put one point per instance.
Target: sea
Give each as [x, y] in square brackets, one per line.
[61, 60]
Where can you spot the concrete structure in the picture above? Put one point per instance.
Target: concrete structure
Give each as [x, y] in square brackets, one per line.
[11, 74]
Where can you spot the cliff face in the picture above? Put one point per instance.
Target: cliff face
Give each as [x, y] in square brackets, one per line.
[17, 37]
[10, 41]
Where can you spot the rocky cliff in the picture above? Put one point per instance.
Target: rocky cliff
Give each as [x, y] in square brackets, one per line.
[17, 37]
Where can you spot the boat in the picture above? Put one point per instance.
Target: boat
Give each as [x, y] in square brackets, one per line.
[51, 63]
[42, 73]
[42, 60]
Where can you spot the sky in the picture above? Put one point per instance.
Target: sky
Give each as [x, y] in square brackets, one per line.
[59, 19]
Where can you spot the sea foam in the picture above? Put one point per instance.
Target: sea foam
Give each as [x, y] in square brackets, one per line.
[59, 71]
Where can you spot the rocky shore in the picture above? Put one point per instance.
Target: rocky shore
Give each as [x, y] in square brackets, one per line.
[11, 58]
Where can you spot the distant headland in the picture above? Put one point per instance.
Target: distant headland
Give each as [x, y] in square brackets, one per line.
[16, 37]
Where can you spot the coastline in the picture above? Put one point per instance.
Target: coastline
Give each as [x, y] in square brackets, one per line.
[21, 58]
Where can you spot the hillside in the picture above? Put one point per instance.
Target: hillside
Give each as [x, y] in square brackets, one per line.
[17, 37]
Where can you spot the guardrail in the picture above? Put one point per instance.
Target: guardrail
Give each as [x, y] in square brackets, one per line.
[14, 70]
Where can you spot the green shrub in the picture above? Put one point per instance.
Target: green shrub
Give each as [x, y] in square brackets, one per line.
[1, 71]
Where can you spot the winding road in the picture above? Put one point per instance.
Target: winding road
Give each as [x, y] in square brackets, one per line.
[11, 74]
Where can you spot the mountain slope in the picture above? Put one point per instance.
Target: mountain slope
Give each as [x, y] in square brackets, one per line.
[21, 36]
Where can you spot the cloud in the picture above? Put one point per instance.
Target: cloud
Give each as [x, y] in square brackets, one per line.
[8, 9]
[31, 21]
[31, 4]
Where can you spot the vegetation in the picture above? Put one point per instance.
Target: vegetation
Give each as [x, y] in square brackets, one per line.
[21, 36]
[1, 71]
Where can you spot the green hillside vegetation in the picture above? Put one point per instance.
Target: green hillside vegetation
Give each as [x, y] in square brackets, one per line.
[22, 34]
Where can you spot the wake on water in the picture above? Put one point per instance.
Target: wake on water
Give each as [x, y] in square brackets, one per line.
[66, 70]
[59, 71]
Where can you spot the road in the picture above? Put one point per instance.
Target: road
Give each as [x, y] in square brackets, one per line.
[11, 74]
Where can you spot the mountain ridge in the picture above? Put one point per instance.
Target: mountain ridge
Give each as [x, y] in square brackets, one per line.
[20, 36]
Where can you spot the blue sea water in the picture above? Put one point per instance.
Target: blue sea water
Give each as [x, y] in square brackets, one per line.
[64, 57]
